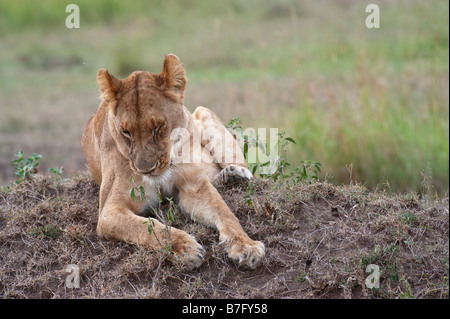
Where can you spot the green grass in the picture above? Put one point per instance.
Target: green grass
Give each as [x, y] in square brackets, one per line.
[376, 99]
[387, 138]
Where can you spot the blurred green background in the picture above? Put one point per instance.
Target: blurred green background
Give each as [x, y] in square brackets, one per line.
[372, 101]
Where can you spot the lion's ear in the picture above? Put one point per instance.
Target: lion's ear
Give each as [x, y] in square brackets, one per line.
[173, 77]
[108, 84]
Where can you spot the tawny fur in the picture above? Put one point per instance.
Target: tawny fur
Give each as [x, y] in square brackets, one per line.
[143, 132]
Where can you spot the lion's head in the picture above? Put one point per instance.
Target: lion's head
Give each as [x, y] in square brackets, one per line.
[143, 110]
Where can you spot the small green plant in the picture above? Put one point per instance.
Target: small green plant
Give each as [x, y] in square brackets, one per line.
[138, 193]
[307, 171]
[370, 258]
[281, 163]
[56, 171]
[48, 231]
[408, 217]
[140, 190]
[249, 192]
[408, 293]
[301, 277]
[234, 126]
[25, 168]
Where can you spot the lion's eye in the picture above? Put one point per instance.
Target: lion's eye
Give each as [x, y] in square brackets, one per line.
[127, 134]
[155, 134]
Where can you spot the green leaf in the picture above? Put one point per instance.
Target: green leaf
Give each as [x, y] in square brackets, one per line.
[142, 193]
[290, 140]
[265, 164]
[160, 197]
[150, 226]
[132, 194]
[245, 149]
[170, 215]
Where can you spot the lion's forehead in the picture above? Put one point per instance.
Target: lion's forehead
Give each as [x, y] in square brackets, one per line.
[142, 100]
[141, 90]
[144, 107]
[141, 80]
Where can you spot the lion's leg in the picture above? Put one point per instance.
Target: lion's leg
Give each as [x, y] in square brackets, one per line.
[203, 203]
[222, 146]
[117, 220]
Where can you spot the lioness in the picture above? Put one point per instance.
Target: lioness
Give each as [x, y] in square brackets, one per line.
[143, 132]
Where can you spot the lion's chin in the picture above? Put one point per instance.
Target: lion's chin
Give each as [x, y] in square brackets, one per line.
[162, 179]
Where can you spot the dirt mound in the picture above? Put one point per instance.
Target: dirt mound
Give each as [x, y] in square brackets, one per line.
[320, 240]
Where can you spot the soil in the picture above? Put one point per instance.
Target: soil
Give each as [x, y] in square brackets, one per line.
[319, 238]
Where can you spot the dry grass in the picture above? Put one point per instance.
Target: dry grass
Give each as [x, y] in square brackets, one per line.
[319, 240]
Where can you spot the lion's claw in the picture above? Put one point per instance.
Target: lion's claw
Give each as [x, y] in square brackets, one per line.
[245, 252]
[187, 251]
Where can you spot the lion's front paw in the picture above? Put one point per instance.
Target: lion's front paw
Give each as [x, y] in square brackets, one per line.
[234, 174]
[187, 251]
[245, 252]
